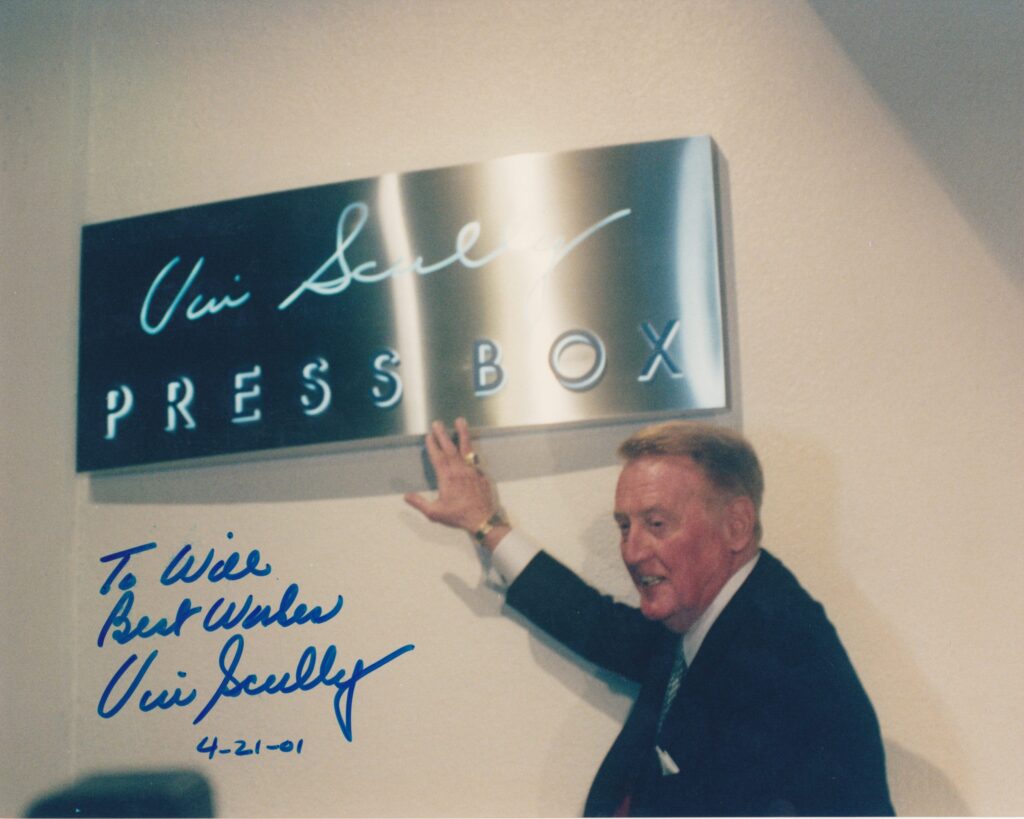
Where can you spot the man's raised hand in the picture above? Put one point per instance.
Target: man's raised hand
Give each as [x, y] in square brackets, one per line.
[465, 496]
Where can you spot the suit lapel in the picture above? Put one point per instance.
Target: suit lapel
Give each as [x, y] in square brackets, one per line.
[707, 664]
[634, 745]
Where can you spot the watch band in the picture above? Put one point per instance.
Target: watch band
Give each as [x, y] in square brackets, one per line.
[497, 519]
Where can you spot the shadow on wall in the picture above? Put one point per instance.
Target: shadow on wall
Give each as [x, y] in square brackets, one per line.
[301, 475]
[952, 74]
[600, 690]
[604, 692]
[810, 546]
[918, 787]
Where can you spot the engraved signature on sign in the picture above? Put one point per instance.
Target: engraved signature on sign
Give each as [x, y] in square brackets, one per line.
[337, 272]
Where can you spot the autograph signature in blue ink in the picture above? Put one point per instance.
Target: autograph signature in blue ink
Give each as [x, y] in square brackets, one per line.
[306, 677]
[120, 627]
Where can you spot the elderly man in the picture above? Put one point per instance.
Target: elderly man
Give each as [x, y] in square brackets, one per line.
[748, 703]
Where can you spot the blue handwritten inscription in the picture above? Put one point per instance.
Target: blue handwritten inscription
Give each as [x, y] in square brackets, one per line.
[181, 565]
[315, 668]
[211, 747]
[306, 677]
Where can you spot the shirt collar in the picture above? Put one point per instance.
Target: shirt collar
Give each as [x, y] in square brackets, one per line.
[699, 630]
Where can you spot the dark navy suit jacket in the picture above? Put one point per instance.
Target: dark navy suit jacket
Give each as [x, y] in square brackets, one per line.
[770, 718]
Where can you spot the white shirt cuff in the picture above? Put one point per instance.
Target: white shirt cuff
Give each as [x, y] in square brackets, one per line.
[512, 555]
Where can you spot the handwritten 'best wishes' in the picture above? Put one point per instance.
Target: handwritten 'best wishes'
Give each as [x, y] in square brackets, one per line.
[313, 669]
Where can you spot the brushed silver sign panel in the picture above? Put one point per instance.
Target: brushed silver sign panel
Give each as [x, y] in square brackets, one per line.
[535, 289]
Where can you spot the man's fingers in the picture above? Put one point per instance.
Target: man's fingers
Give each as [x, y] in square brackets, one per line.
[442, 451]
[464, 494]
[419, 503]
[465, 439]
[434, 452]
[443, 439]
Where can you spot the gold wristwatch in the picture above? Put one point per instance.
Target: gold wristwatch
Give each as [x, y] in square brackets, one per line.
[497, 519]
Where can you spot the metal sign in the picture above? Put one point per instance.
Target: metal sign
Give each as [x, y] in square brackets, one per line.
[535, 289]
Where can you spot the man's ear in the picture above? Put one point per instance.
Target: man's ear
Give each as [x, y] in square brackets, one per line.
[740, 519]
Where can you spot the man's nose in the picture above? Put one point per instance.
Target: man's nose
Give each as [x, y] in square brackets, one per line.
[634, 546]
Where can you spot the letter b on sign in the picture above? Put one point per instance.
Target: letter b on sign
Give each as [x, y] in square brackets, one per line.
[488, 375]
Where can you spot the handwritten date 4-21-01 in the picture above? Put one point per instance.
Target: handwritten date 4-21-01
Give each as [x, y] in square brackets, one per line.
[211, 747]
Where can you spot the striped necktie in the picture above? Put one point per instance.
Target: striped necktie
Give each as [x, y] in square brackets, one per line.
[675, 678]
[668, 765]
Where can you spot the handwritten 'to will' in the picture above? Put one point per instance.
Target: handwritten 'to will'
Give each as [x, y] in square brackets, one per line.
[314, 668]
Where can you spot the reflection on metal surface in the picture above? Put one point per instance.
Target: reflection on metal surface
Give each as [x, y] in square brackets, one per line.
[536, 289]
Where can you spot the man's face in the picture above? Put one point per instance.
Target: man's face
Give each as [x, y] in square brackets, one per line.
[674, 538]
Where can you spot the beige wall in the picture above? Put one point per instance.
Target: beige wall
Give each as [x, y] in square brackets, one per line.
[879, 294]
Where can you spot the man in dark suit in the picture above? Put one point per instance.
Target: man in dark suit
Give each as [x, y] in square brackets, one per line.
[748, 703]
